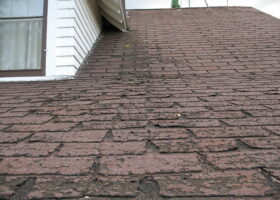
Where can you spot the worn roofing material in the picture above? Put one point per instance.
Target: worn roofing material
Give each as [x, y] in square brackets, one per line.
[184, 106]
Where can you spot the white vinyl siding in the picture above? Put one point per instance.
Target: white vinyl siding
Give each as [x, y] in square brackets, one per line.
[78, 25]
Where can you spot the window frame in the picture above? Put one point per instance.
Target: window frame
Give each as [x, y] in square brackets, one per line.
[32, 72]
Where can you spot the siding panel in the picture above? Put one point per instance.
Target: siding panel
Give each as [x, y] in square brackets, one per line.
[78, 27]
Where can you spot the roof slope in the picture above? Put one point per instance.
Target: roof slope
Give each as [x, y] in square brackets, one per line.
[186, 105]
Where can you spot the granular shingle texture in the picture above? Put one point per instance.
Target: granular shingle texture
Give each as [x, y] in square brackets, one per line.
[184, 106]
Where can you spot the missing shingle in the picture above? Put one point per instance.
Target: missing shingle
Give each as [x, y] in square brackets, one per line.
[214, 95]
[209, 108]
[108, 136]
[151, 147]
[148, 189]
[148, 100]
[270, 131]
[24, 189]
[242, 145]
[150, 125]
[144, 74]
[273, 181]
[95, 166]
[96, 177]
[206, 165]
[117, 118]
[247, 114]
[203, 100]
[57, 149]
[176, 105]
[223, 124]
[191, 133]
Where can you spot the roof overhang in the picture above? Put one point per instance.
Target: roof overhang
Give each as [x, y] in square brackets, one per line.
[114, 12]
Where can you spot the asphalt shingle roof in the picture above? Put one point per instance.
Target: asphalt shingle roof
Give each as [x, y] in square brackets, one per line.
[184, 106]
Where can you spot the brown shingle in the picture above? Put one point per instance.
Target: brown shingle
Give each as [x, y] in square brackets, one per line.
[183, 105]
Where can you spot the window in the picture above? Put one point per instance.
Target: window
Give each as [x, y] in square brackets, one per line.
[21, 33]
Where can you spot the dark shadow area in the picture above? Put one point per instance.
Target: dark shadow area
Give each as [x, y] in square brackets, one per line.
[108, 27]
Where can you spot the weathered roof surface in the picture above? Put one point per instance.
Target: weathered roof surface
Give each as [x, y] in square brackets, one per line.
[185, 106]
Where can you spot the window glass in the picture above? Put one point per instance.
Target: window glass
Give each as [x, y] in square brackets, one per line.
[5, 8]
[36, 7]
[21, 8]
[20, 35]
[20, 44]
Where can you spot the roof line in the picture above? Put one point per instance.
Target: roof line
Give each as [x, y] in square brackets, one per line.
[192, 8]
